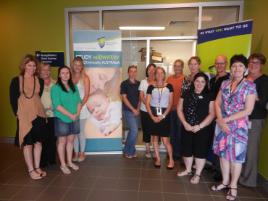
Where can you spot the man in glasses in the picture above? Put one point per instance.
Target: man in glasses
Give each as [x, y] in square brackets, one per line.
[220, 64]
[221, 74]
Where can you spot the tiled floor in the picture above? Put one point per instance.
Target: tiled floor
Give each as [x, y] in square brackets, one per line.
[107, 178]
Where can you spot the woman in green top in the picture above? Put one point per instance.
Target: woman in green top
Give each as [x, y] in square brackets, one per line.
[67, 105]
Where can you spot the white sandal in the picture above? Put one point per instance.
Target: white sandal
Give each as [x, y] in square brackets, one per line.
[65, 170]
[195, 179]
[73, 166]
[184, 173]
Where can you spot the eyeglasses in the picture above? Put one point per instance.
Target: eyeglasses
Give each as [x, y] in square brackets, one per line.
[220, 63]
[255, 62]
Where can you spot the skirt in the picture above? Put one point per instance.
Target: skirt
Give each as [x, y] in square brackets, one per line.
[37, 132]
[162, 128]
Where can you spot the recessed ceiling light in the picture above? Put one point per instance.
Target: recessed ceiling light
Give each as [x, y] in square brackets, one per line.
[138, 28]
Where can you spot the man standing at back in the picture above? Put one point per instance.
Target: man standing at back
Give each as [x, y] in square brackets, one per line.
[176, 81]
[215, 84]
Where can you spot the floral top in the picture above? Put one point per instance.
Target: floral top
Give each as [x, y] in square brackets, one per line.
[233, 146]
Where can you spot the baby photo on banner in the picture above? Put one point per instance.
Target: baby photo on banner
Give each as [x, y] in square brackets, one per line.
[102, 56]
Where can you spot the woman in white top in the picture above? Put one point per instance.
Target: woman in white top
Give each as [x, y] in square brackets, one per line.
[158, 104]
[145, 117]
[83, 84]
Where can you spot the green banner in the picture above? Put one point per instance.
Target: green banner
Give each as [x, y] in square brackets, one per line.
[223, 40]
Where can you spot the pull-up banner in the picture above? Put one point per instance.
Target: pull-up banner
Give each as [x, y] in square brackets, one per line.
[102, 56]
[223, 40]
[98, 48]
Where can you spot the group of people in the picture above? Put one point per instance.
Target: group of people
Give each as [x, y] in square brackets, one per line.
[191, 115]
[50, 114]
[199, 117]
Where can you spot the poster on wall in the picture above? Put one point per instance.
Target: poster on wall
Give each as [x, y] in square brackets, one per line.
[102, 56]
[223, 40]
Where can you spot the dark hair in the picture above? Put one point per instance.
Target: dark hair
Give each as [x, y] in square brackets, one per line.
[258, 56]
[239, 58]
[132, 66]
[70, 82]
[203, 75]
[147, 68]
[198, 60]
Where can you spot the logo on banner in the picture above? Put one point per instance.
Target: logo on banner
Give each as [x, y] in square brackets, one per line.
[101, 42]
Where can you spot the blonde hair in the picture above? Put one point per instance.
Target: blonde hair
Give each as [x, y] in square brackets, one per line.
[78, 59]
[162, 69]
[42, 65]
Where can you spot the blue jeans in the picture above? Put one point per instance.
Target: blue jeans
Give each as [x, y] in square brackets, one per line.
[64, 129]
[175, 134]
[132, 123]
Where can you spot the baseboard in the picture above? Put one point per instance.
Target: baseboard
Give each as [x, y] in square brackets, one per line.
[8, 140]
[263, 182]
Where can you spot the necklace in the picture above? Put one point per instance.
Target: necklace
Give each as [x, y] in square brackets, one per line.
[28, 97]
[231, 86]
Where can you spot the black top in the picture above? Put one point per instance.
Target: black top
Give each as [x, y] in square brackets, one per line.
[215, 85]
[259, 111]
[195, 107]
[160, 96]
[14, 93]
[131, 90]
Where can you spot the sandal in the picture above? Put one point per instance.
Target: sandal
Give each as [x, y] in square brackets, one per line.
[75, 159]
[81, 159]
[219, 187]
[231, 196]
[73, 166]
[34, 175]
[157, 164]
[65, 170]
[148, 155]
[184, 173]
[41, 172]
[171, 167]
[128, 156]
[195, 179]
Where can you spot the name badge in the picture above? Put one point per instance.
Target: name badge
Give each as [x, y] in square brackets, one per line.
[249, 124]
[159, 111]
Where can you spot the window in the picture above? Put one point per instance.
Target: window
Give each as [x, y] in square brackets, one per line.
[176, 22]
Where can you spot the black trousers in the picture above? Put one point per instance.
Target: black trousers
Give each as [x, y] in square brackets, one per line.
[145, 119]
[48, 156]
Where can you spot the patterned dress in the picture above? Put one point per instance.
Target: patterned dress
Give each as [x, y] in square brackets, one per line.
[233, 146]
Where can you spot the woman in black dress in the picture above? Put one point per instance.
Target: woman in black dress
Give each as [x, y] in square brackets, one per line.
[158, 104]
[196, 112]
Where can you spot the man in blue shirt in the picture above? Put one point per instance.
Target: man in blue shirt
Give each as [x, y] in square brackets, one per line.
[129, 91]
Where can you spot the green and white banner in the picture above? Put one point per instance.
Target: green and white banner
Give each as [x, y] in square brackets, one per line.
[223, 40]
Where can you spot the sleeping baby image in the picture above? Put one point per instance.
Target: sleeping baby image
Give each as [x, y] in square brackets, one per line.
[104, 114]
